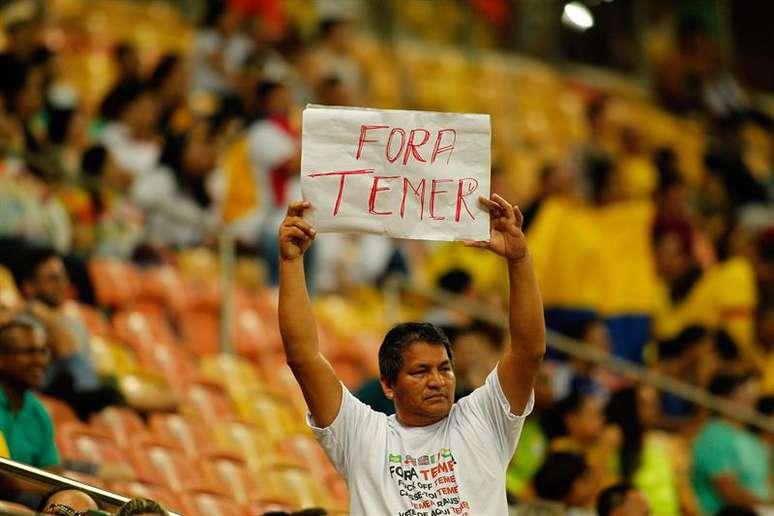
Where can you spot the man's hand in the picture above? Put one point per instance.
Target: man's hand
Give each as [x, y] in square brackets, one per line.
[295, 234]
[507, 239]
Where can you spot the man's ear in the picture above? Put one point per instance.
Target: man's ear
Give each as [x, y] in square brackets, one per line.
[387, 389]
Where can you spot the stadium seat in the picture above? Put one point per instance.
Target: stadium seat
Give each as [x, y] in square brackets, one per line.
[147, 392]
[84, 478]
[164, 286]
[209, 504]
[209, 402]
[232, 372]
[59, 411]
[234, 475]
[79, 442]
[173, 362]
[200, 331]
[157, 461]
[116, 282]
[142, 330]
[274, 414]
[295, 485]
[250, 442]
[307, 451]
[111, 357]
[183, 432]
[121, 424]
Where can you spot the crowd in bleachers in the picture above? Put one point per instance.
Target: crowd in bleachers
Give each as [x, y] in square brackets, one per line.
[131, 139]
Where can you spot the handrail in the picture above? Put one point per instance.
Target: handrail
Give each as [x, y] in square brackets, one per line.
[621, 366]
[41, 476]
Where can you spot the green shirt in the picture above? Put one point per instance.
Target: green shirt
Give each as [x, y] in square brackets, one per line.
[29, 433]
[723, 449]
[529, 456]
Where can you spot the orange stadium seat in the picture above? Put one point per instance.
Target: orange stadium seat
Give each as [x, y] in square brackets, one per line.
[168, 499]
[233, 474]
[273, 413]
[142, 330]
[307, 451]
[164, 286]
[79, 442]
[295, 485]
[175, 363]
[200, 331]
[84, 478]
[59, 411]
[232, 372]
[120, 423]
[209, 402]
[112, 357]
[184, 432]
[157, 461]
[116, 282]
[209, 504]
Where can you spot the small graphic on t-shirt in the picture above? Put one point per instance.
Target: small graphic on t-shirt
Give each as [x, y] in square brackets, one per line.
[428, 483]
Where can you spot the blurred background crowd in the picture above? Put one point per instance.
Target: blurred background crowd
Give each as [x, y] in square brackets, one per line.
[143, 143]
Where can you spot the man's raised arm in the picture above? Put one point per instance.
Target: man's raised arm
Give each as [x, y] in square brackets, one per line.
[322, 389]
[519, 366]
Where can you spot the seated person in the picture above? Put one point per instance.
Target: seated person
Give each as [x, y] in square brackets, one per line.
[622, 500]
[564, 485]
[67, 502]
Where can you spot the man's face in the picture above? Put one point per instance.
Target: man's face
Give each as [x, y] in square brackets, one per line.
[424, 390]
[50, 284]
[633, 505]
[24, 358]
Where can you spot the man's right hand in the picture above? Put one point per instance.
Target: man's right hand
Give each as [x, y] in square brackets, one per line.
[295, 234]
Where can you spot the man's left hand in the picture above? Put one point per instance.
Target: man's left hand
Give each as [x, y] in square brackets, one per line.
[506, 239]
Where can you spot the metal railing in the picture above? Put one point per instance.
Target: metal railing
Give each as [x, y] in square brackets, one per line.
[40, 476]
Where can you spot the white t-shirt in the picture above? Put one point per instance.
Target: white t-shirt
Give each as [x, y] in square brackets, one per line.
[455, 466]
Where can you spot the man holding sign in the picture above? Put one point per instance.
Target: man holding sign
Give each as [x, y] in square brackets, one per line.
[434, 456]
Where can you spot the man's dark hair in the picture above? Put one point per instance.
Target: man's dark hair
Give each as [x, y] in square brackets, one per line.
[44, 502]
[33, 257]
[455, 281]
[401, 337]
[120, 98]
[723, 385]
[555, 478]
[682, 342]
[93, 160]
[141, 506]
[553, 420]
[163, 70]
[612, 498]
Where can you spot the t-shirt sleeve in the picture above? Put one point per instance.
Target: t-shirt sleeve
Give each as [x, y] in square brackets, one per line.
[488, 410]
[48, 455]
[712, 455]
[341, 439]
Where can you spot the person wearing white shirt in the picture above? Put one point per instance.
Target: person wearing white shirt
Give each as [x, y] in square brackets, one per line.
[433, 456]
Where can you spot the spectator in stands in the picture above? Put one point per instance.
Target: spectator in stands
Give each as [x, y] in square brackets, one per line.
[333, 56]
[564, 485]
[624, 500]
[477, 349]
[331, 91]
[555, 181]
[725, 159]
[141, 507]
[131, 110]
[27, 433]
[212, 71]
[176, 198]
[731, 465]
[456, 281]
[417, 373]
[763, 352]
[169, 82]
[275, 157]
[533, 443]
[118, 222]
[763, 262]
[639, 176]
[43, 281]
[576, 424]
[127, 64]
[66, 501]
[652, 461]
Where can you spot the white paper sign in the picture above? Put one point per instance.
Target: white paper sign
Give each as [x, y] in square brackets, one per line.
[405, 174]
